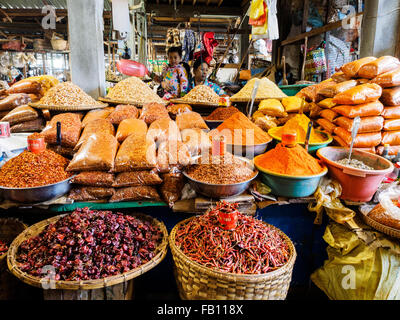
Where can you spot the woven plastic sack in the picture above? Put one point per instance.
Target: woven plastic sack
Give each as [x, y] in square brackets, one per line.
[137, 178]
[362, 140]
[381, 65]
[363, 93]
[171, 189]
[391, 96]
[391, 112]
[190, 120]
[367, 124]
[94, 179]
[153, 111]
[163, 130]
[136, 194]
[351, 69]
[129, 126]
[96, 114]
[70, 129]
[97, 126]
[136, 153]
[328, 114]
[326, 125]
[361, 110]
[123, 112]
[90, 193]
[21, 114]
[391, 137]
[97, 153]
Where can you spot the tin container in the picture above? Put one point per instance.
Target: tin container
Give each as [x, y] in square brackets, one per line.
[224, 101]
[228, 220]
[4, 129]
[36, 145]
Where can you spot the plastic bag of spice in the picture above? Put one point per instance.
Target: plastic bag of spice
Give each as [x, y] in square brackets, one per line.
[176, 109]
[153, 111]
[28, 126]
[171, 189]
[326, 125]
[351, 69]
[363, 93]
[340, 77]
[90, 193]
[335, 88]
[388, 79]
[163, 130]
[362, 110]
[97, 114]
[137, 178]
[70, 129]
[136, 153]
[129, 126]
[367, 124]
[14, 100]
[63, 151]
[391, 137]
[97, 126]
[328, 114]
[123, 112]
[196, 140]
[327, 103]
[391, 125]
[94, 179]
[340, 142]
[136, 194]
[97, 153]
[391, 112]
[362, 140]
[378, 66]
[190, 120]
[391, 96]
[172, 153]
[21, 114]
[392, 150]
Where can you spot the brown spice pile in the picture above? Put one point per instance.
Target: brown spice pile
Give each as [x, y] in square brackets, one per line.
[29, 170]
[222, 113]
[225, 169]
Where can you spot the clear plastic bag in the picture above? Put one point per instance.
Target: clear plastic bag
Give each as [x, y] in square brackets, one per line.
[351, 69]
[97, 126]
[28, 126]
[153, 111]
[136, 194]
[196, 140]
[90, 193]
[21, 114]
[190, 120]
[137, 178]
[94, 179]
[391, 138]
[391, 96]
[362, 110]
[367, 124]
[391, 112]
[171, 189]
[391, 125]
[381, 65]
[129, 126]
[163, 130]
[70, 129]
[388, 79]
[326, 125]
[362, 140]
[123, 112]
[14, 100]
[387, 211]
[364, 93]
[97, 153]
[328, 114]
[170, 154]
[136, 153]
[97, 114]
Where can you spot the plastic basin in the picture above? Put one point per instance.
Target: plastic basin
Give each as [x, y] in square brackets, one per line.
[312, 147]
[290, 186]
[357, 184]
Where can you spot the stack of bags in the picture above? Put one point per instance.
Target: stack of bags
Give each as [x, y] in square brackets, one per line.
[24, 119]
[356, 92]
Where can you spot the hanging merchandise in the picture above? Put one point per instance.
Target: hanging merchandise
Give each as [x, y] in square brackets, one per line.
[315, 62]
[256, 8]
[208, 45]
[173, 39]
[189, 45]
[269, 29]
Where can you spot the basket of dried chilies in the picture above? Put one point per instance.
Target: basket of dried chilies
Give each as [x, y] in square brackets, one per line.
[248, 260]
[88, 250]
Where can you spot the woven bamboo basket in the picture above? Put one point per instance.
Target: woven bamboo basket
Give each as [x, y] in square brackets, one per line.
[194, 103]
[381, 227]
[34, 230]
[9, 230]
[67, 108]
[131, 102]
[196, 282]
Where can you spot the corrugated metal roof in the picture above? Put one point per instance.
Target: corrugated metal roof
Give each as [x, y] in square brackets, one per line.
[38, 4]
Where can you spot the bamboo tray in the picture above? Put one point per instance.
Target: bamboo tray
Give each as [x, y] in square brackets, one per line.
[381, 227]
[256, 100]
[194, 103]
[35, 229]
[67, 108]
[134, 103]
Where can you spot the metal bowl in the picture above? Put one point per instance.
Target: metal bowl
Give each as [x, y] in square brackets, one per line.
[213, 124]
[247, 151]
[37, 194]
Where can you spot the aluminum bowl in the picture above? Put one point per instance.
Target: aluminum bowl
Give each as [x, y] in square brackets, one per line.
[37, 194]
[247, 151]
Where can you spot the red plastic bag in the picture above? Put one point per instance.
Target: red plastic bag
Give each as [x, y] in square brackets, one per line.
[132, 68]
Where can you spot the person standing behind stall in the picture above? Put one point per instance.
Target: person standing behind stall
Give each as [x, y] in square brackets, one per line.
[174, 78]
[200, 72]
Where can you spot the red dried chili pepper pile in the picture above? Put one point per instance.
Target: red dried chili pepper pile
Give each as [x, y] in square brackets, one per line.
[30, 169]
[3, 248]
[251, 248]
[90, 245]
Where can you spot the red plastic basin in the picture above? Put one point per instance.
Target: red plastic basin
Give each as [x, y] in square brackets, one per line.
[357, 184]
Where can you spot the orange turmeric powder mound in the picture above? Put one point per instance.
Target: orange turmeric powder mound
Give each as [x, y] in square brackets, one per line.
[239, 130]
[293, 161]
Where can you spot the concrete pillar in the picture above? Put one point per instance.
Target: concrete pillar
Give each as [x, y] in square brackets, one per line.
[380, 27]
[85, 23]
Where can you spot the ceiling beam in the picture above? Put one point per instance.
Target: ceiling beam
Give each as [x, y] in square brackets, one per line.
[38, 13]
[6, 15]
[220, 2]
[187, 10]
